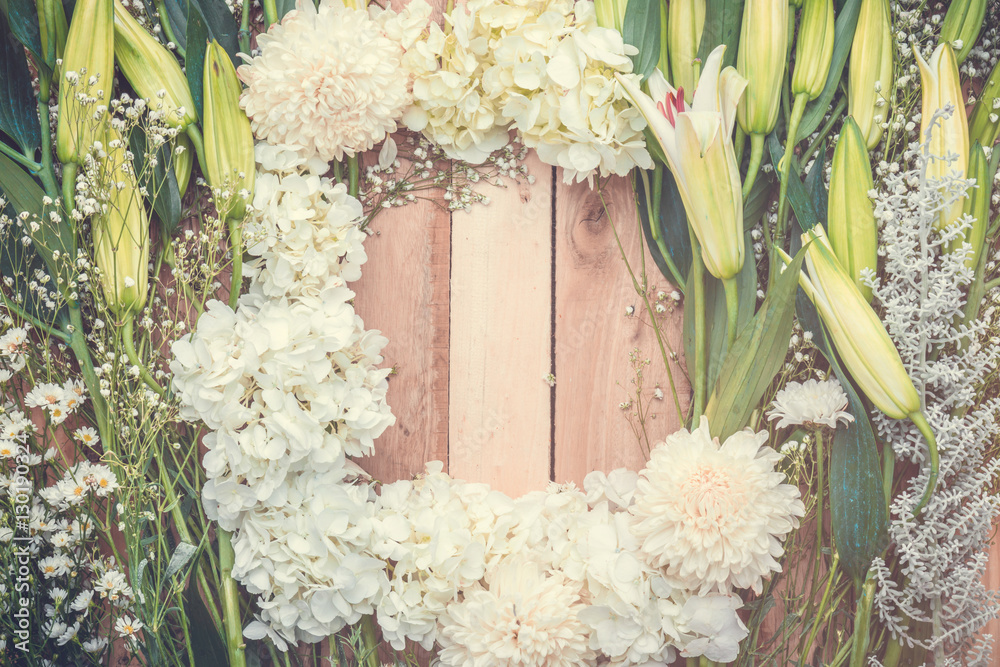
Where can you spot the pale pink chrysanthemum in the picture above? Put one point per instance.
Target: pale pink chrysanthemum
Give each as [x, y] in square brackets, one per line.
[329, 81]
[713, 516]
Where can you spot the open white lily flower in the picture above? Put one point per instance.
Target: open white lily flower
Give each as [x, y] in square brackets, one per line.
[697, 141]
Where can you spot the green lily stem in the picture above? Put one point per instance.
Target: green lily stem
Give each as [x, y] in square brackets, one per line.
[28, 317]
[30, 165]
[231, 602]
[47, 174]
[69, 185]
[732, 309]
[244, 33]
[700, 379]
[825, 130]
[824, 601]
[168, 28]
[888, 470]
[353, 175]
[129, 344]
[992, 284]
[270, 12]
[820, 456]
[920, 422]
[785, 164]
[862, 622]
[78, 343]
[893, 652]
[641, 291]
[369, 640]
[194, 134]
[236, 244]
[756, 154]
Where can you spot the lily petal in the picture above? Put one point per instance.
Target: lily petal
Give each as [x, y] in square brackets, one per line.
[660, 126]
[706, 95]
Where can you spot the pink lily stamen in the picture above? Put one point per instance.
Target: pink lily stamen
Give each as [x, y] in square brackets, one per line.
[674, 102]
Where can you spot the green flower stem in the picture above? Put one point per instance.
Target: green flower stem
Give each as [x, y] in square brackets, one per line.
[785, 164]
[756, 154]
[369, 641]
[824, 601]
[862, 622]
[825, 130]
[920, 422]
[820, 482]
[641, 291]
[78, 343]
[353, 175]
[129, 344]
[47, 173]
[700, 379]
[194, 134]
[30, 165]
[37, 323]
[892, 653]
[732, 309]
[69, 186]
[888, 468]
[270, 12]
[236, 244]
[244, 33]
[652, 192]
[168, 29]
[231, 602]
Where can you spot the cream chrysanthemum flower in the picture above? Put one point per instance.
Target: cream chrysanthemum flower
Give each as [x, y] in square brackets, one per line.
[524, 619]
[329, 80]
[811, 402]
[714, 516]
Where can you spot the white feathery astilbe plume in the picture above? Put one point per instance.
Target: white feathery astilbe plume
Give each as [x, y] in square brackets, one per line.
[943, 552]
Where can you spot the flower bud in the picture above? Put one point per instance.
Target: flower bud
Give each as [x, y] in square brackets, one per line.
[228, 137]
[871, 70]
[962, 25]
[121, 234]
[610, 13]
[850, 214]
[761, 61]
[857, 332]
[152, 70]
[976, 206]
[52, 28]
[182, 161]
[685, 23]
[984, 126]
[88, 70]
[814, 49]
[941, 88]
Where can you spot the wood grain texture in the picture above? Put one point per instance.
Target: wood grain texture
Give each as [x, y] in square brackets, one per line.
[595, 335]
[501, 337]
[404, 293]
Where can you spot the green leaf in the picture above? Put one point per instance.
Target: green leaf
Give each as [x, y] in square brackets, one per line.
[160, 182]
[816, 188]
[641, 29]
[759, 199]
[18, 107]
[847, 21]
[798, 196]
[18, 260]
[757, 356]
[183, 553]
[207, 20]
[857, 498]
[723, 20]
[671, 239]
[206, 642]
[177, 15]
[282, 7]
[715, 314]
[22, 16]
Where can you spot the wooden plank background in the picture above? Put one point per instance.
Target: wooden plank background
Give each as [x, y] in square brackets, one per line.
[479, 307]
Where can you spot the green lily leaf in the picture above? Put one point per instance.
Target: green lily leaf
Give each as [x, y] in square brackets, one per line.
[641, 29]
[667, 236]
[18, 107]
[723, 20]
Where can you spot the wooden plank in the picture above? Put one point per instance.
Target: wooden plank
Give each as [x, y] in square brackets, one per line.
[403, 292]
[595, 336]
[501, 336]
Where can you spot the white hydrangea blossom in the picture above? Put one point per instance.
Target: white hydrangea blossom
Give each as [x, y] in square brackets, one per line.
[541, 67]
[942, 604]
